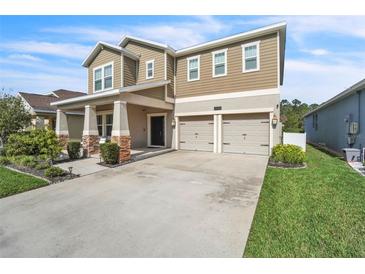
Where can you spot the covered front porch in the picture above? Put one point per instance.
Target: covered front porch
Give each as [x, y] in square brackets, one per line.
[134, 122]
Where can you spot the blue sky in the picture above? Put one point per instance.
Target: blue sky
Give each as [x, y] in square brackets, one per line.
[324, 54]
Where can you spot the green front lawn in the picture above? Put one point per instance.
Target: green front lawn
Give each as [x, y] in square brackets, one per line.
[12, 182]
[314, 212]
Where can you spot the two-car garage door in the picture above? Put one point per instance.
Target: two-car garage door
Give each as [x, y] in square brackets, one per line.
[241, 133]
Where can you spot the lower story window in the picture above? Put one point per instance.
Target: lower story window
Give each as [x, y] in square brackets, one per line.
[105, 124]
[99, 119]
[109, 124]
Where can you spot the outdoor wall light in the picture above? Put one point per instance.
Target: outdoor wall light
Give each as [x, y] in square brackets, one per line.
[173, 122]
[274, 120]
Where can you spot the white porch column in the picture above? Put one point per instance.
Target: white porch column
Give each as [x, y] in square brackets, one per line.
[62, 128]
[90, 134]
[120, 132]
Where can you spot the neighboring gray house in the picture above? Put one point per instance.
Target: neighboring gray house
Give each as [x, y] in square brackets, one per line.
[339, 122]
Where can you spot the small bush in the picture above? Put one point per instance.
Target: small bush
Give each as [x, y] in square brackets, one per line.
[42, 165]
[109, 153]
[73, 150]
[4, 161]
[27, 161]
[34, 142]
[289, 154]
[54, 171]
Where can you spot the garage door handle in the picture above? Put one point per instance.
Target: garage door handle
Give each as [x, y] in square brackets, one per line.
[263, 145]
[244, 134]
[182, 124]
[226, 123]
[210, 123]
[264, 122]
[182, 142]
[211, 143]
[226, 143]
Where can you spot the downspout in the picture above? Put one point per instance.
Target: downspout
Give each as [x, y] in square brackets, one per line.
[359, 115]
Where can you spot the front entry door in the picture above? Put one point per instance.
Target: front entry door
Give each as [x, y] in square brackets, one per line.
[157, 130]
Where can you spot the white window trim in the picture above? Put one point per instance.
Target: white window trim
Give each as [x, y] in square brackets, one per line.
[149, 115]
[153, 68]
[225, 62]
[102, 77]
[103, 115]
[257, 44]
[188, 69]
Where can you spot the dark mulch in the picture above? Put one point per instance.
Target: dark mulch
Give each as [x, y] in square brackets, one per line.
[40, 173]
[116, 165]
[285, 165]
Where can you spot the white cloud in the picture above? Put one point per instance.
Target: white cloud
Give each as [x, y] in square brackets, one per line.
[24, 57]
[179, 34]
[316, 82]
[69, 50]
[317, 52]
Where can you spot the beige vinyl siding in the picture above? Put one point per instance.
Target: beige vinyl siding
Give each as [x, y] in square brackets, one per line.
[105, 56]
[155, 93]
[235, 81]
[129, 67]
[170, 76]
[147, 53]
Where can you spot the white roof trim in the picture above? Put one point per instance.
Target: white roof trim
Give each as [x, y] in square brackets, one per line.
[86, 97]
[232, 38]
[111, 93]
[356, 87]
[101, 44]
[145, 86]
[126, 38]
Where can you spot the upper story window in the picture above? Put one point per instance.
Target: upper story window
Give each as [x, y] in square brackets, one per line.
[251, 57]
[219, 63]
[193, 64]
[103, 77]
[150, 67]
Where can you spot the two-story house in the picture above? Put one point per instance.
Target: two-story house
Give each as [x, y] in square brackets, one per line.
[221, 96]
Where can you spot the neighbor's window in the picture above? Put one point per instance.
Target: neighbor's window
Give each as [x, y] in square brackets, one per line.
[220, 63]
[109, 124]
[150, 66]
[250, 57]
[193, 68]
[99, 120]
[103, 78]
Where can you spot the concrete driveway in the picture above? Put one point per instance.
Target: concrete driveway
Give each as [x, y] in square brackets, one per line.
[180, 204]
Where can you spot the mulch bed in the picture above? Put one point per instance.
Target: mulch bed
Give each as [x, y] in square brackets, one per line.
[116, 165]
[286, 165]
[40, 173]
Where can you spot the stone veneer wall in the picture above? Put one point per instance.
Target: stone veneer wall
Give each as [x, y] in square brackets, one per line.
[124, 143]
[63, 140]
[90, 144]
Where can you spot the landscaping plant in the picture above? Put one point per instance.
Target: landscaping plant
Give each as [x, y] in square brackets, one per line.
[4, 160]
[13, 116]
[109, 153]
[73, 150]
[54, 171]
[289, 154]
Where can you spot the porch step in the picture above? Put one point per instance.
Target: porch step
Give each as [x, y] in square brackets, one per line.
[142, 156]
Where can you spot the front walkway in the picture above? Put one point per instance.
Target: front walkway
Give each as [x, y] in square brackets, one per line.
[90, 165]
[180, 204]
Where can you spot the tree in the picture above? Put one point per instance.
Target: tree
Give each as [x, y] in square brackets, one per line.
[13, 116]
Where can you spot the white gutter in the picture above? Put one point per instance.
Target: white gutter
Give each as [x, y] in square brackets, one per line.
[145, 86]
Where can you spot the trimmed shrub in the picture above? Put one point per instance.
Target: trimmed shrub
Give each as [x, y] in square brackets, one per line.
[4, 160]
[73, 150]
[54, 171]
[289, 154]
[34, 142]
[109, 153]
[27, 161]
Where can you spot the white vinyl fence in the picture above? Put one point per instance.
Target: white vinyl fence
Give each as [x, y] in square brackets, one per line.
[298, 139]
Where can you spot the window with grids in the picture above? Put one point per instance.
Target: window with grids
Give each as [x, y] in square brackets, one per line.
[109, 124]
[150, 66]
[193, 68]
[251, 57]
[99, 121]
[220, 63]
[103, 78]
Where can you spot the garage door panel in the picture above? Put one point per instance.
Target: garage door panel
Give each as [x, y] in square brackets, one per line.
[196, 133]
[246, 133]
